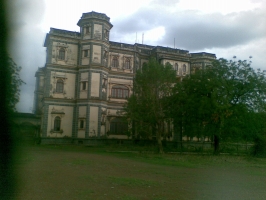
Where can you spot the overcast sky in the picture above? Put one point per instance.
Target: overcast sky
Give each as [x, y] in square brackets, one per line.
[226, 28]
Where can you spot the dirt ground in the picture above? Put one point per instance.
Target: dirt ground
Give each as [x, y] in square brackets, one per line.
[84, 173]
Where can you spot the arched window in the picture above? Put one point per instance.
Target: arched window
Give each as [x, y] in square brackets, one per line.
[115, 62]
[127, 64]
[184, 68]
[62, 54]
[120, 91]
[59, 86]
[176, 67]
[57, 123]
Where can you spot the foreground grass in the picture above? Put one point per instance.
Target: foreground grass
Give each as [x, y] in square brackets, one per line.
[169, 159]
[79, 172]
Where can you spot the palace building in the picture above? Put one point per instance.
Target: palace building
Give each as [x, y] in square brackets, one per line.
[86, 80]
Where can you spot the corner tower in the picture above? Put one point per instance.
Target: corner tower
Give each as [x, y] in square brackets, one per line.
[94, 28]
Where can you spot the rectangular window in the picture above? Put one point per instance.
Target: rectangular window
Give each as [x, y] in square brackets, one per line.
[115, 62]
[87, 30]
[118, 128]
[81, 124]
[84, 85]
[127, 64]
[62, 54]
[86, 53]
[57, 123]
[119, 93]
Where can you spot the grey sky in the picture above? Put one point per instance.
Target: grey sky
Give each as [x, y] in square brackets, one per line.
[226, 28]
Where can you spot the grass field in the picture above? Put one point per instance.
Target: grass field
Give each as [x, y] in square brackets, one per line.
[79, 172]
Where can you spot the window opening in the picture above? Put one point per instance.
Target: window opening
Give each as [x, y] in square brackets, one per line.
[83, 85]
[62, 53]
[119, 91]
[127, 64]
[87, 30]
[86, 53]
[176, 67]
[57, 123]
[81, 124]
[59, 86]
[115, 62]
[118, 127]
[184, 68]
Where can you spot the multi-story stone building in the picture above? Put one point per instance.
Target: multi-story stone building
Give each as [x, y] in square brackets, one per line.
[86, 79]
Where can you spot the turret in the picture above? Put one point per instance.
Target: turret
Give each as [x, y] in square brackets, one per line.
[95, 25]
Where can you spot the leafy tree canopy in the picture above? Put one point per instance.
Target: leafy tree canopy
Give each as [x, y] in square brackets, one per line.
[208, 101]
[152, 84]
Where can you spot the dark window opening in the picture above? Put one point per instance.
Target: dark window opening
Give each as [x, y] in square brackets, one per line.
[59, 86]
[115, 62]
[176, 67]
[62, 53]
[84, 85]
[87, 30]
[119, 91]
[86, 53]
[127, 64]
[118, 127]
[57, 123]
[81, 125]
[184, 68]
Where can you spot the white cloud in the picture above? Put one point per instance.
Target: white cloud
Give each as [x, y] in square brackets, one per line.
[153, 35]
[255, 49]
[213, 6]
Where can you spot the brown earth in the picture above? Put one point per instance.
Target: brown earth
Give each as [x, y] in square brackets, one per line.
[46, 172]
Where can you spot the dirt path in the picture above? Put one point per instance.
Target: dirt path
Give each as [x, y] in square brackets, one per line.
[55, 174]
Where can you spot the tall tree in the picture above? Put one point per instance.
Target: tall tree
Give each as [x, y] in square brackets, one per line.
[13, 91]
[146, 107]
[218, 94]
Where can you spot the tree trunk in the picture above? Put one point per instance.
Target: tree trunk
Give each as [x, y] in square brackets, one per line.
[159, 141]
[216, 144]
[181, 135]
[159, 138]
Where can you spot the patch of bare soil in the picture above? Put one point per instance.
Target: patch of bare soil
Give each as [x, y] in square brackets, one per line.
[46, 173]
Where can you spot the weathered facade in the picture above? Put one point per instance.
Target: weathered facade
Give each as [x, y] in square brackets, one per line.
[86, 79]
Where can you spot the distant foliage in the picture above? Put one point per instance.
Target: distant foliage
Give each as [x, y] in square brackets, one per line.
[259, 148]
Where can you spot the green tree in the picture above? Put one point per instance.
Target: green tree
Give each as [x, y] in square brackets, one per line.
[146, 107]
[219, 94]
[13, 91]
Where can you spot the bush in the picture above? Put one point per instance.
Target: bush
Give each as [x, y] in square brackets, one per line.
[259, 148]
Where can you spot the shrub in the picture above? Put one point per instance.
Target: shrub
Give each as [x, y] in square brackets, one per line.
[259, 148]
